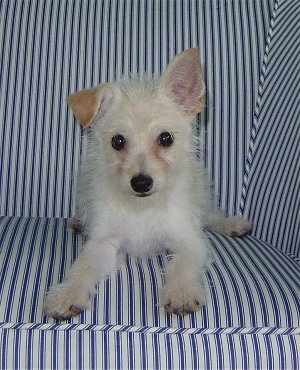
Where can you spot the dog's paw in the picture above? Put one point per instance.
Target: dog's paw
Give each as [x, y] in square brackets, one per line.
[237, 226]
[76, 225]
[182, 300]
[64, 301]
[230, 226]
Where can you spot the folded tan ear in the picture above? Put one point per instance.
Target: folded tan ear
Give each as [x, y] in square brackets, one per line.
[85, 104]
[183, 82]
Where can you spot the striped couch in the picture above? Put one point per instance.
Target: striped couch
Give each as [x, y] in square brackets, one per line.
[250, 52]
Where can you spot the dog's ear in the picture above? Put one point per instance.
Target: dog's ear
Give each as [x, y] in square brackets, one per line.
[183, 82]
[85, 104]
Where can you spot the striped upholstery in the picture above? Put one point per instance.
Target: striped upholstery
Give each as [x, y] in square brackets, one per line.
[252, 300]
[125, 349]
[271, 191]
[250, 56]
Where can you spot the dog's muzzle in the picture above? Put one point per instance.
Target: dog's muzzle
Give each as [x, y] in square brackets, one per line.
[141, 184]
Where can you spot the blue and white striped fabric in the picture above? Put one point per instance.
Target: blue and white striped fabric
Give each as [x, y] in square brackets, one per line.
[250, 52]
[111, 349]
[271, 192]
[252, 308]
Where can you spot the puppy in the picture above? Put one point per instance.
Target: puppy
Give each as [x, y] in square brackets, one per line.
[142, 187]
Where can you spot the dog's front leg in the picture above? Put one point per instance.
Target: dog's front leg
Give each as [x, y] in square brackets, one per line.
[73, 295]
[184, 292]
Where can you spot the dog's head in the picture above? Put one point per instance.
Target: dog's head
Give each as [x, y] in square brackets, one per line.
[144, 128]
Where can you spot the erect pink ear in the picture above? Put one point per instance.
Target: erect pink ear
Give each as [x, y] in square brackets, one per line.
[85, 104]
[183, 82]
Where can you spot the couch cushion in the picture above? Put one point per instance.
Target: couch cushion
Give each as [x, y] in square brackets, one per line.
[249, 285]
[80, 347]
[251, 319]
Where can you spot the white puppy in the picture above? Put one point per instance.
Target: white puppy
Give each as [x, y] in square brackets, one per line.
[142, 186]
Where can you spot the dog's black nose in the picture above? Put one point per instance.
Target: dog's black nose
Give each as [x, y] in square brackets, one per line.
[141, 183]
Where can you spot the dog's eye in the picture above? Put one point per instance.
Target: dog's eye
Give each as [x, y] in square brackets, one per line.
[118, 142]
[165, 139]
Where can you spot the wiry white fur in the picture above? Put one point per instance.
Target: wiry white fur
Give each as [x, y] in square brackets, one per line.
[141, 117]
[116, 219]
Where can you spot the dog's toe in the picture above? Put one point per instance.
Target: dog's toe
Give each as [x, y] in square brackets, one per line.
[237, 226]
[182, 300]
[60, 316]
[76, 225]
[63, 316]
[63, 302]
[185, 309]
[241, 227]
[76, 310]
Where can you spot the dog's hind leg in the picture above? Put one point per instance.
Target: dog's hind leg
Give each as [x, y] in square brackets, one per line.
[230, 226]
[76, 225]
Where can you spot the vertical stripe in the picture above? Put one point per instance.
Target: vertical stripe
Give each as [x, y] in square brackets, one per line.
[271, 185]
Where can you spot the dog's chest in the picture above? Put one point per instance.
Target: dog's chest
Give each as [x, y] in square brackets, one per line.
[141, 232]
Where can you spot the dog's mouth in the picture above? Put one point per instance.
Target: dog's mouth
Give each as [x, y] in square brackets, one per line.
[143, 195]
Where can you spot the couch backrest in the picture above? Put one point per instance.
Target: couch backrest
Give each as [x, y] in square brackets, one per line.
[271, 189]
[53, 48]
